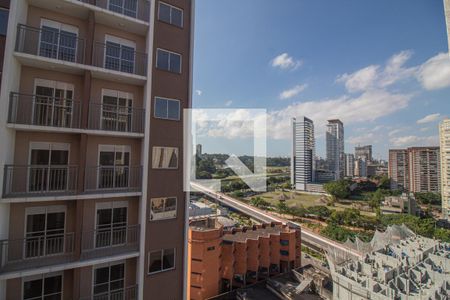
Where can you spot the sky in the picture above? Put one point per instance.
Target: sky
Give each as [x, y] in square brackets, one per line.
[382, 67]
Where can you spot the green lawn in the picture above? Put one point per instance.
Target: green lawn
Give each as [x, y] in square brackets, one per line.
[292, 198]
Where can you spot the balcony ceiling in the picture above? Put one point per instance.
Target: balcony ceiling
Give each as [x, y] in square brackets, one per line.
[78, 9]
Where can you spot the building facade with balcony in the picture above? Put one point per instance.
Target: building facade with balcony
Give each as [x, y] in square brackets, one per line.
[92, 135]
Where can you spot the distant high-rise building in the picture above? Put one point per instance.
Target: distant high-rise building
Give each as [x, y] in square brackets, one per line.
[416, 169]
[398, 169]
[303, 151]
[444, 137]
[360, 167]
[424, 169]
[199, 149]
[349, 165]
[364, 152]
[335, 147]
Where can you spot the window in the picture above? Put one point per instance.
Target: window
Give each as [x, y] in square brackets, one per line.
[119, 54]
[284, 252]
[109, 282]
[3, 21]
[44, 231]
[53, 105]
[211, 248]
[165, 158]
[117, 110]
[170, 14]
[43, 287]
[163, 208]
[58, 40]
[111, 225]
[48, 167]
[167, 109]
[124, 7]
[161, 260]
[284, 242]
[114, 166]
[169, 61]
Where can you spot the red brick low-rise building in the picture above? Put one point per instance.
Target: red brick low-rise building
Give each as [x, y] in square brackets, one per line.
[223, 260]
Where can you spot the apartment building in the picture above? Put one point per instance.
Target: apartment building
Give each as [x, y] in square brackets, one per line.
[364, 152]
[335, 147]
[424, 169]
[444, 138]
[92, 203]
[4, 13]
[224, 260]
[349, 165]
[303, 153]
[398, 169]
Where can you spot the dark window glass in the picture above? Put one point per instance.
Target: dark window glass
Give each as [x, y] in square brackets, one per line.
[177, 17]
[32, 289]
[52, 285]
[155, 263]
[168, 259]
[164, 12]
[284, 252]
[175, 63]
[160, 108]
[3, 21]
[162, 61]
[284, 242]
[173, 110]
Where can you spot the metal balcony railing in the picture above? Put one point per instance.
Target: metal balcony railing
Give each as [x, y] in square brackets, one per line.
[43, 111]
[127, 293]
[109, 241]
[51, 43]
[39, 180]
[116, 118]
[116, 57]
[113, 178]
[138, 9]
[36, 250]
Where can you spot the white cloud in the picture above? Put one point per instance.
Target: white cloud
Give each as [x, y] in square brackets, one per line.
[396, 131]
[367, 138]
[198, 92]
[376, 77]
[367, 107]
[435, 73]
[424, 129]
[228, 103]
[286, 62]
[429, 118]
[414, 140]
[293, 91]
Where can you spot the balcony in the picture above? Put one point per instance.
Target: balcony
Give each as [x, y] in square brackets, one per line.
[110, 241]
[127, 293]
[115, 118]
[56, 48]
[113, 179]
[136, 9]
[44, 111]
[36, 251]
[39, 181]
[119, 58]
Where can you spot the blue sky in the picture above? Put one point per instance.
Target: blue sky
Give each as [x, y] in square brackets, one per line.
[377, 65]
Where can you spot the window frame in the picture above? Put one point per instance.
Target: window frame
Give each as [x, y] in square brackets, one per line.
[152, 219]
[169, 52]
[4, 9]
[172, 7]
[111, 206]
[59, 26]
[162, 261]
[123, 43]
[109, 265]
[167, 100]
[129, 97]
[115, 148]
[42, 277]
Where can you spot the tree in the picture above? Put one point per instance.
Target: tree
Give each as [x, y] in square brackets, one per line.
[428, 198]
[339, 189]
[385, 183]
[259, 202]
[282, 207]
[337, 233]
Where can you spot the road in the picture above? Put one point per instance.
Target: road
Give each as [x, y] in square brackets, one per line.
[308, 237]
